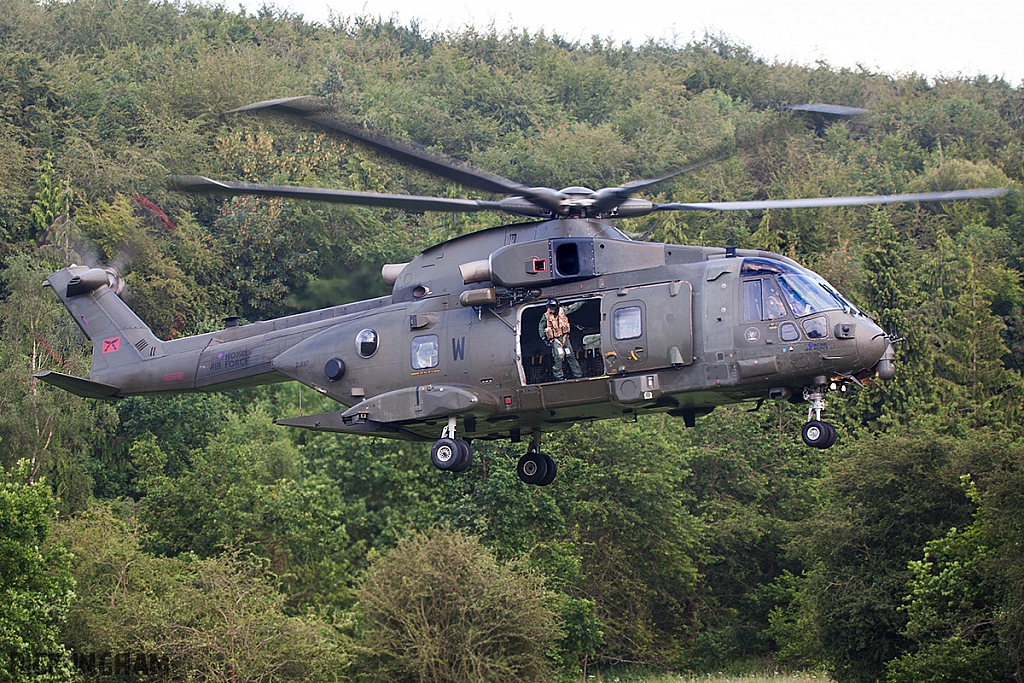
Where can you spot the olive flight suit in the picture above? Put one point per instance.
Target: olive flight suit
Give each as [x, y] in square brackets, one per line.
[554, 329]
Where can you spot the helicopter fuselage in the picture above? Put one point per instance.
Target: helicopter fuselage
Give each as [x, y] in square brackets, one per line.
[660, 328]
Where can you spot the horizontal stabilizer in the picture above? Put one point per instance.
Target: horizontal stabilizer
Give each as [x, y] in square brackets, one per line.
[78, 385]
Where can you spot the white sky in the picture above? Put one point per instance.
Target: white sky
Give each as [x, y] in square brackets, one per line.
[936, 38]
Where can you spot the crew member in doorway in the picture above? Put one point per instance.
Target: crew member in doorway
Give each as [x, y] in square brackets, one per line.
[554, 329]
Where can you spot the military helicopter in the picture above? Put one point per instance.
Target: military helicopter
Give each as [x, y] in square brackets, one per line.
[459, 350]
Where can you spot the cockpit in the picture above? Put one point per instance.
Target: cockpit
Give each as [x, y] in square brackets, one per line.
[768, 283]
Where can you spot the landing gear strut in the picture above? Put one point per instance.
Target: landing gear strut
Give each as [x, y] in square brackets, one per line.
[449, 453]
[815, 432]
[535, 467]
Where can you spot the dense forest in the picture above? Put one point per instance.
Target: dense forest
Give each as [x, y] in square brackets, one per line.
[190, 537]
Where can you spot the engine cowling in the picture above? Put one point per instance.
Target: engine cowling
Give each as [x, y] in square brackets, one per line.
[93, 279]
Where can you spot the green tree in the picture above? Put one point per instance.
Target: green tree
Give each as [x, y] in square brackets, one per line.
[51, 208]
[246, 492]
[963, 603]
[973, 381]
[36, 584]
[881, 503]
[57, 433]
[889, 296]
[949, 615]
[616, 529]
[753, 480]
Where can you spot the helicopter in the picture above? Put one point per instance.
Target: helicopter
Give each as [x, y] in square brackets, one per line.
[461, 349]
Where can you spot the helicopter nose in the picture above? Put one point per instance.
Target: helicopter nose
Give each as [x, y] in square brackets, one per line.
[871, 343]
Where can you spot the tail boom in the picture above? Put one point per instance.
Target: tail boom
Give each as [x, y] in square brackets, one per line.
[128, 359]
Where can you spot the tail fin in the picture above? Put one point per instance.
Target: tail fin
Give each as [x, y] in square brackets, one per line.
[118, 337]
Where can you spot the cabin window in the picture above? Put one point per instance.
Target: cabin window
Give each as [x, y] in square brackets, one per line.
[626, 323]
[424, 352]
[816, 328]
[366, 343]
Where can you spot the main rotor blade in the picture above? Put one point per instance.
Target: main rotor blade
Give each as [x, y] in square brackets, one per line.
[448, 168]
[302, 105]
[819, 202]
[414, 203]
[608, 198]
[833, 109]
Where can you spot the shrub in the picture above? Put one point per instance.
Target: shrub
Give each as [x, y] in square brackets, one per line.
[207, 619]
[439, 607]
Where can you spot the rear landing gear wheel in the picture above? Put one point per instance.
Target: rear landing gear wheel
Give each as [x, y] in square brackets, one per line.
[818, 434]
[451, 454]
[533, 468]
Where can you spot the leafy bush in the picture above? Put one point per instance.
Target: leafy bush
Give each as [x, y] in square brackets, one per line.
[950, 660]
[439, 607]
[215, 619]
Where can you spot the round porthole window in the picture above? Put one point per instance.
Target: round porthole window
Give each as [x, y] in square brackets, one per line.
[366, 343]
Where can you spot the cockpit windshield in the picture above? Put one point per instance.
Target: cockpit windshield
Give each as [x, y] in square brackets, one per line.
[844, 303]
[805, 290]
[806, 296]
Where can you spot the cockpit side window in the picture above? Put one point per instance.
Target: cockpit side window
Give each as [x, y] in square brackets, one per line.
[762, 300]
[751, 300]
[772, 300]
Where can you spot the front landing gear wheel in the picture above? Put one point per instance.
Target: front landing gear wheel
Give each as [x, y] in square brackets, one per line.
[465, 456]
[834, 434]
[552, 470]
[447, 454]
[533, 468]
[819, 434]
